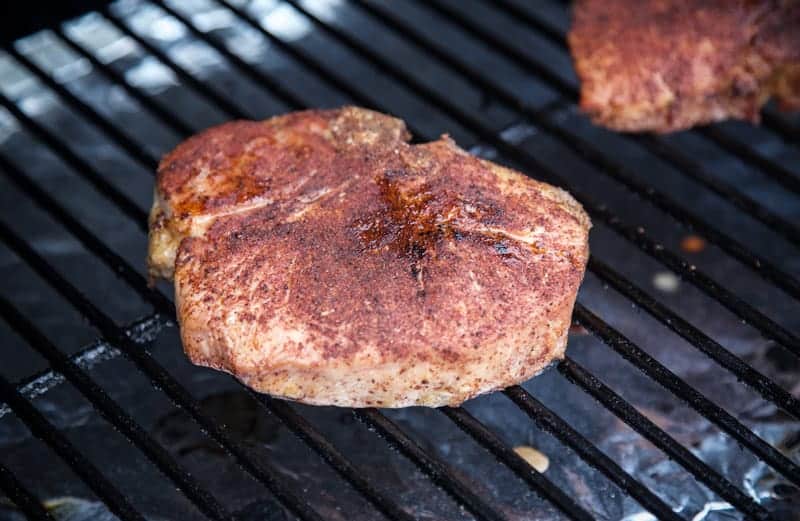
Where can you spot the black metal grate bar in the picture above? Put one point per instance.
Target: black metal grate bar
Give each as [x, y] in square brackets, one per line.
[92, 243]
[785, 177]
[637, 236]
[262, 471]
[122, 201]
[787, 131]
[285, 95]
[669, 380]
[302, 57]
[87, 357]
[303, 429]
[766, 387]
[547, 420]
[113, 413]
[494, 89]
[47, 432]
[536, 480]
[136, 151]
[22, 497]
[627, 413]
[183, 74]
[175, 124]
[437, 470]
[763, 267]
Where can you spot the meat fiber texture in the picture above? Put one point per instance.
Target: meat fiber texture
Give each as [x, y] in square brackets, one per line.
[667, 65]
[320, 257]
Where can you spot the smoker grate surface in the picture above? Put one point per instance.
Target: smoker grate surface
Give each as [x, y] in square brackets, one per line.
[500, 108]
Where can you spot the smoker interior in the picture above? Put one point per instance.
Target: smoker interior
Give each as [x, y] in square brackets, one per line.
[678, 396]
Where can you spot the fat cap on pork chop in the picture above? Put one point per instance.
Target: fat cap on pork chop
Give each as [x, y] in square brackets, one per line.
[322, 258]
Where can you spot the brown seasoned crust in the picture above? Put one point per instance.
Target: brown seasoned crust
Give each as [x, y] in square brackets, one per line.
[243, 165]
[666, 65]
[391, 275]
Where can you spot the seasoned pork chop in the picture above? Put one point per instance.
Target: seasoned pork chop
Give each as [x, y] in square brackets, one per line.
[320, 257]
[666, 65]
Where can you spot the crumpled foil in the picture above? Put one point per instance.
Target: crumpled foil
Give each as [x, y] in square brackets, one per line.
[176, 431]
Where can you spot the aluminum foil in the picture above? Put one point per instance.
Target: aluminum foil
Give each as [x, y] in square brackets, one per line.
[410, 487]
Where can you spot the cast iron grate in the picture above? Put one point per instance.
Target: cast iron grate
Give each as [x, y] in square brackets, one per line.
[76, 370]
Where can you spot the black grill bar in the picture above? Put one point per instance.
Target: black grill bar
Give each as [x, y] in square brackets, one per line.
[779, 125]
[669, 380]
[262, 471]
[22, 497]
[766, 387]
[637, 236]
[136, 151]
[92, 243]
[297, 54]
[48, 433]
[122, 201]
[113, 413]
[303, 429]
[594, 156]
[87, 357]
[548, 421]
[183, 74]
[285, 95]
[627, 413]
[487, 439]
[497, 90]
[782, 175]
[775, 170]
[437, 470]
[176, 125]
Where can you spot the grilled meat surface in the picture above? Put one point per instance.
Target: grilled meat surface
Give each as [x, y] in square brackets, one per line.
[320, 257]
[666, 65]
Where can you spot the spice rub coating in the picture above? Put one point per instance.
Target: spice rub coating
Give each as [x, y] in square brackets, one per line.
[666, 65]
[338, 264]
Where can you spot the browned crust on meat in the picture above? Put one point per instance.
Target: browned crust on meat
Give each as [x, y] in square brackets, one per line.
[666, 65]
[243, 165]
[391, 275]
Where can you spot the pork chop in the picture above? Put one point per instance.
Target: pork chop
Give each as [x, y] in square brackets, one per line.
[666, 65]
[322, 258]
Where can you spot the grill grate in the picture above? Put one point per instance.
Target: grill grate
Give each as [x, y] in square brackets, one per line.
[478, 504]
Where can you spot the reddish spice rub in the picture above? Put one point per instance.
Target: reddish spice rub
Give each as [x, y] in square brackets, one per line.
[378, 273]
[667, 65]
